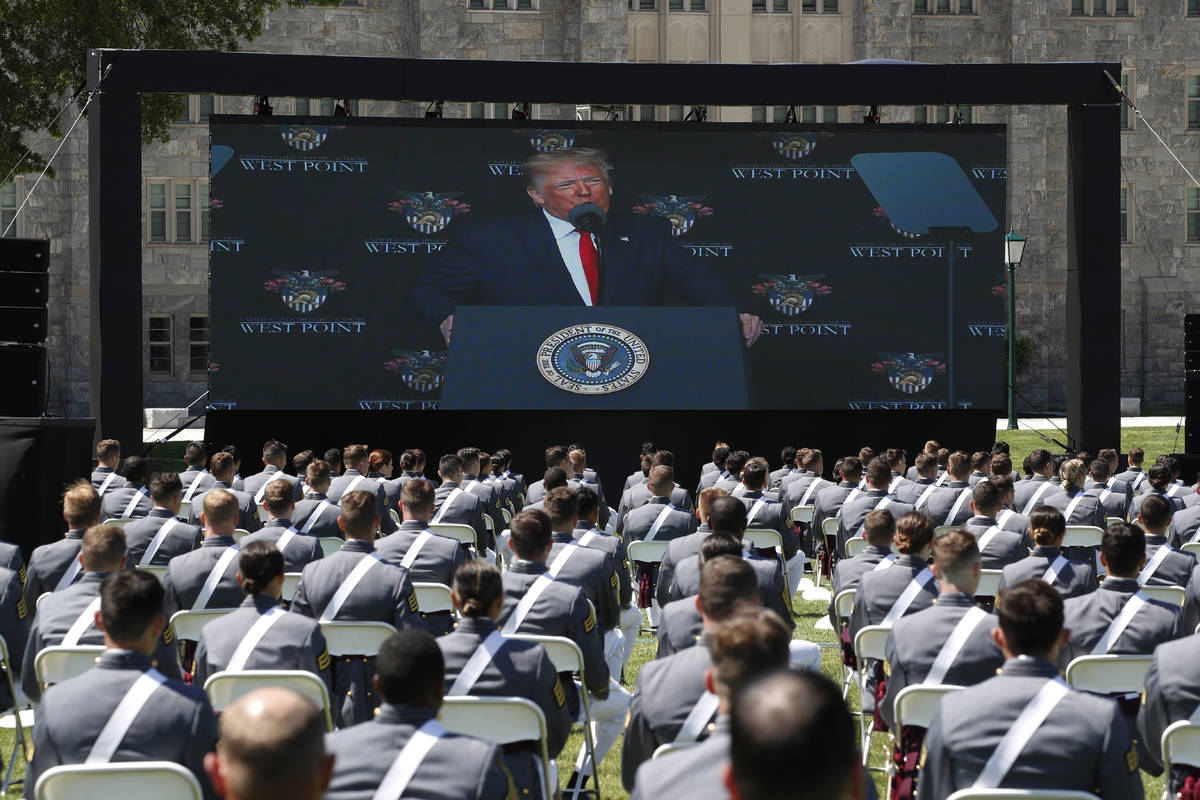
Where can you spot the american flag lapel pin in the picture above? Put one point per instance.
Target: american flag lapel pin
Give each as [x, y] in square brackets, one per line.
[623, 239]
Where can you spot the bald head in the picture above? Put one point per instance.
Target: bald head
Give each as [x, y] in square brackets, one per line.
[272, 747]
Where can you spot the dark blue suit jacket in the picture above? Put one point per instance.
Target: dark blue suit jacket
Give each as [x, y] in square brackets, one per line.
[516, 262]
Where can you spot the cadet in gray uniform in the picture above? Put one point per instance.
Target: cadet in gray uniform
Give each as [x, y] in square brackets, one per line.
[195, 456]
[436, 558]
[591, 570]
[1117, 618]
[653, 515]
[685, 548]
[802, 489]
[207, 576]
[853, 513]
[557, 456]
[274, 459]
[160, 536]
[749, 645]
[640, 494]
[1032, 492]
[1081, 743]
[510, 489]
[787, 461]
[316, 515]
[476, 484]
[374, 756]
[878, 529]
[67, 617]
[56, 565]
[1158, 481]
[1048, 561]
[950, 502]
[108, 458]
[356, 583]
[830, 499]
[260, 634]
[951, 641]
[553, 478]
[885, 596]
[1164, 564]
[71, 717]
[482, 662]
[589, 535]
[670, 689]
[380, 470]
[1184, 524]
[1006, 517]
[14, 624]
[765, 511]
[131, 501]
[235, 482]
[711, 472]
[221, 469]
[998, 547]
[453, 504]
[922, 480]
[1112, 494]
[298, 548]
[1172, 694]
[1134, 476]
[981, 463]
[357, 461]
[732, 475]
[1077, 506]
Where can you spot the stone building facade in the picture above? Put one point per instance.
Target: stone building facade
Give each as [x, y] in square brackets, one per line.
[1158, 44]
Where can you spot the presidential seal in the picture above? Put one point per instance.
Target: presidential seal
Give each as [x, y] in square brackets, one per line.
[593, 359]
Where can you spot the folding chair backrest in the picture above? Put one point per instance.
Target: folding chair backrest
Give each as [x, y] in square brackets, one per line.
[870, 642]
[1020, 794]
[225, 688]
[855, 545]
[187, 624]
[453, 530]
[1181, 745]
[672, 747]
[1109, 521]
[239, 534]
[1166, 594]
[1107, 674]
[329, 545]
[650, 552]
[564, 654]
[802, 514]
[119, 523]
[843, 604]
[185, 509]
[916, 705]
[1191, 547]
[159, 571]
[829, 526]
[262, 512]
[941, 529]
[502, 548]
[1082, 536]
[489, 523]
[395, 517]
[989, 582]
[499, 719]
[38, 603]
[57, 664]
[764, 538]
[130, 780]
[290, 581]
[433, 597]
[355, 638]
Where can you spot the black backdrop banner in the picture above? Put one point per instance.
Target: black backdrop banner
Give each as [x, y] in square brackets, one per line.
[318, 229]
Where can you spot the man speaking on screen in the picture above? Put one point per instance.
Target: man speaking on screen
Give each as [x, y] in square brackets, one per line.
[571, 250]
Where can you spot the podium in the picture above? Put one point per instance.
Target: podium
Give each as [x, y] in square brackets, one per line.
[611, 357]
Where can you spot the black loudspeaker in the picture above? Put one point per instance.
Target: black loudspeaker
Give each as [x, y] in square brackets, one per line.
[23, 325]
[1191, 382]
[24, 255]
[38, 458]
[24, 371]
[24, 289]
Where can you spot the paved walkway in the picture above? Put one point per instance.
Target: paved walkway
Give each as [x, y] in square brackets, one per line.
[1049, 424]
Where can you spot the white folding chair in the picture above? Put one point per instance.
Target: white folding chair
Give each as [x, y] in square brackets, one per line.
[854, 546]
[765, 539]
[989, 582]
[1191, 547]
[499, 719]
[239, 534]
[504, 512]
[187, 624]
[290, 581]
[1180, 745]
[464, 534]
[129, 780]
[38, 603]
[672, 747]
[395, 517]
[1109, 521]
[1021, 794]
[870, 642]
[941, 529]
[916, 705]
[17, 719]
[354, 637]
[262, 512]
[159, 571]
[649, 552]
[802, 514]
[566, 656]
[1108, 674]
[611, 527]
[56, 664]
[433, 597]
[185, 510]
[225, 688]
[329, 545]
[1082, 536]
[116, 522]
[1174, 595]
[843, 606]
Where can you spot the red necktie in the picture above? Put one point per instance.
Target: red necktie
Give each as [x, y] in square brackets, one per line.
[591, 267]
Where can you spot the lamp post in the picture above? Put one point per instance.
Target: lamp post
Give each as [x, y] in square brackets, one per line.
[1014, 248]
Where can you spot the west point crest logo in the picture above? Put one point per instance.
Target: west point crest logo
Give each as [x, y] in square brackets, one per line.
[304, 138]
[790, 295]
[420, 370]
[681, 212]
[907, 372]
[593, 359]
[544, 141]
[304, 290]
[881, 214]
[427, 212]
[794, 146]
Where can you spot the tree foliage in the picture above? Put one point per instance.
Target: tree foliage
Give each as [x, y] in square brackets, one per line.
[43, 57]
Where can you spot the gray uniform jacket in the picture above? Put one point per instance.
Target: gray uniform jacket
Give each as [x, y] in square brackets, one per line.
[467, 509]
[854, 512]
[438, 560]
[187, 573]
[849, 571]
[792, 492]
[593, 572]
[11, 558]
[519, 669]
[270, 473]
[1172, 694]
[708, 478]
[248, 517]
[1024, 490]
[1176, 501]
[1087, 511]
[640, 495]
[943, 499]
[1014, 521]
[697, 773]
[1076, 578]
[14, 624]
[196, 474]
[177, 725]
[1175, 569]
[343, 481]
[489, 496]
[100, 475]
[293, 642]
[639, 521]
[680, 549]
[537, 490]
[54, 619]
[455, 768]
[616, 550]
[915, 641]
[1004, 548]
[776, 478]
[772, 588]
[1083, 745]
[1114, 502]
[301, 549]
[772, 515]
[878, 592]
[1089, 616]
[911, 491]
[181, 538]
[680, 626]
[829, 501]
[1134, 477]
[1184, 526]
[667, 690]
[115, 501]
[326, 524]
[635, 478]
[49, 562]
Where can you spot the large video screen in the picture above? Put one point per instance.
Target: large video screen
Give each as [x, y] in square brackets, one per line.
[397, 264]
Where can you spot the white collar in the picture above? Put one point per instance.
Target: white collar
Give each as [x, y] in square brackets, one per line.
[559, 227]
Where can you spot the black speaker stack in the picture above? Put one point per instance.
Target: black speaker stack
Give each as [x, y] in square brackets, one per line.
[24, 287]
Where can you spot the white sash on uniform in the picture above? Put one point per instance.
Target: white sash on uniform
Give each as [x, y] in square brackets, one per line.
[107, 481]
[536, 588]
[69, 576]
[1036, 496]
[906, 598]
[253, 636]
[1056, 566]
[808, 492]
[113, 732]
[887, 561]
[883, 501]
[316, 515]
[194, 485]
[1022, 730]
[955, 643]
[1071, 506]
[156, 542]
[410, 557]
[1160, 555]
[133, 504]
[1174, 488]
[697, 718]
[962, 496]
[1141, 476]
[892, 486]
[262, 490]
[587, 538]
[1004, 515]
[408, 761]
[986, 537]
[450, 498]
[477, 663]
[214, 577]
[754, 509]
[941, 478]
[352, 580]
[84, 621]
[1115, 628]
[924, 496]
[660, 519]
[285, 538]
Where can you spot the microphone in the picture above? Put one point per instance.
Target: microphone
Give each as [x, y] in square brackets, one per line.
[587, 217]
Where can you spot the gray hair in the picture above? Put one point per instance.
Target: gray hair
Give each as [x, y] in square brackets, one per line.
[539, 165]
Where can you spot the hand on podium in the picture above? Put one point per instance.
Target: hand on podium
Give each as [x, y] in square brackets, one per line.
[752, 328]
[446, 326]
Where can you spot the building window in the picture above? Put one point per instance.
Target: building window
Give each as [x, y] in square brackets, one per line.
[8, 209]
[158, 336]
[198, 343]
[1126, 83]
[502, 5]
[1193, 8]
[942, 115]
[171, 213]
[944, 6]
[1124, 230]
[301, 107]
[197, 108]
[819, 6]
[1193, 102]
[776, 6]
[1101, 8]
[206, 107]
[1193, 214]
[488, 111]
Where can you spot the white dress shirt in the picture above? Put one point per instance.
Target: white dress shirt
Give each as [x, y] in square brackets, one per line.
[567, 239]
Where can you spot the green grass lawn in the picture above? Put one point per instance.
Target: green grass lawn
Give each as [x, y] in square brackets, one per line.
[1155, 441]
